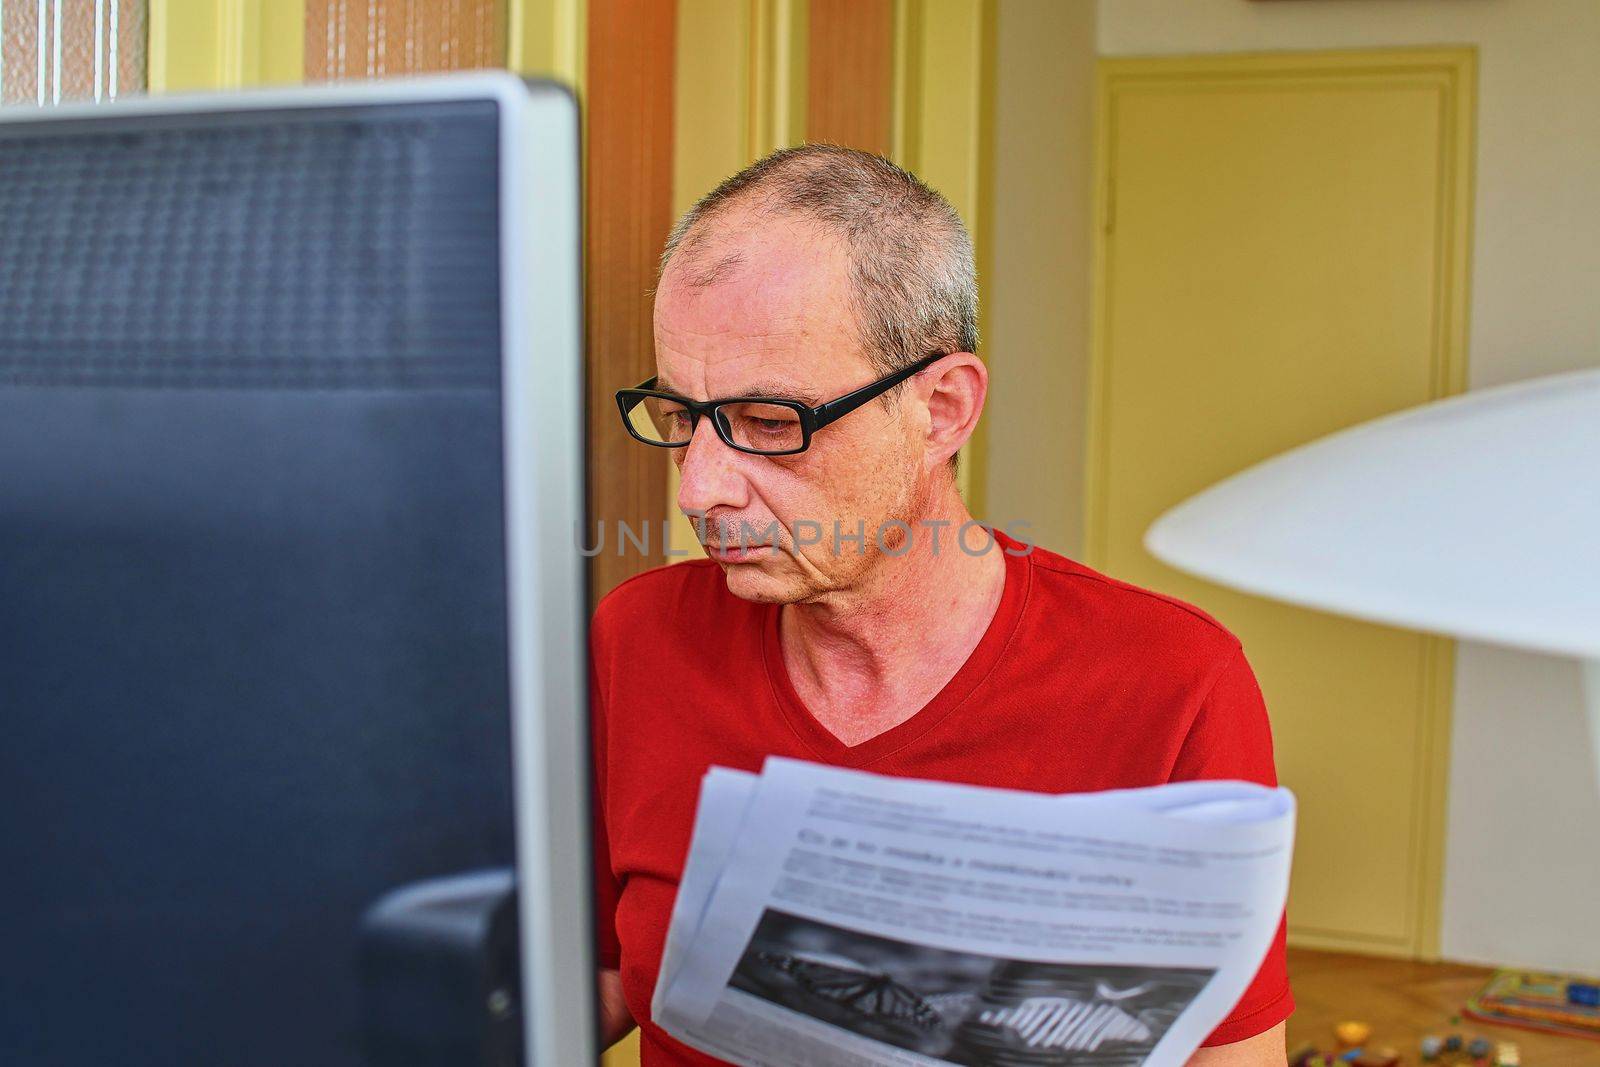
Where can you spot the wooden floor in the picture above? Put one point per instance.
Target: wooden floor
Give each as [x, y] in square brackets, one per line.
[1404, 1000]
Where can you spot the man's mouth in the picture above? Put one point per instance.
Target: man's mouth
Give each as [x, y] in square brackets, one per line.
[729, 541]
[734, 553]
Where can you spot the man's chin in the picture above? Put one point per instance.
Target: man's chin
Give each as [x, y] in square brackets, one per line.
[759, 577]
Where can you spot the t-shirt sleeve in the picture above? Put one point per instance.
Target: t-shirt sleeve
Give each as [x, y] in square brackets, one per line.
[1232, 738]
[608, 950]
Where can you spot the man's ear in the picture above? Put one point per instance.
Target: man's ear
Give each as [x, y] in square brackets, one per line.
[956, 388]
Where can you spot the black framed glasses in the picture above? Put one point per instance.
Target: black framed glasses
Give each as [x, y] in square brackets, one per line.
[759, 425]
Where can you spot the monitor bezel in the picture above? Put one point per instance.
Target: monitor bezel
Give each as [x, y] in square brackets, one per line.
[541, 309]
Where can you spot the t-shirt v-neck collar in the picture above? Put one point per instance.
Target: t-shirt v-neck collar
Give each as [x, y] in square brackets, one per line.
[979, 664]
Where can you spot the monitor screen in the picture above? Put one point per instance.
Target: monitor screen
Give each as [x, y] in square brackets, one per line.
[256, 640]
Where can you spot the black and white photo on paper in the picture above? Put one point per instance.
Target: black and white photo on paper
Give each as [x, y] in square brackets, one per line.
[964, 1008]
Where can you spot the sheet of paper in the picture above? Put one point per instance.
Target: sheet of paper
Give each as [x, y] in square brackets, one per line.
[830, 916]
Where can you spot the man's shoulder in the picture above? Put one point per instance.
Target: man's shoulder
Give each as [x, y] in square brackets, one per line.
[1117, 608]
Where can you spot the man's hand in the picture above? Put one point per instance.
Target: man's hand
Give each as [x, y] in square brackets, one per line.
[1264, 1050]
[615, 1018]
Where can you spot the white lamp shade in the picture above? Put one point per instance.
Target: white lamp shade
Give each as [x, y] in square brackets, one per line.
[1476, 517]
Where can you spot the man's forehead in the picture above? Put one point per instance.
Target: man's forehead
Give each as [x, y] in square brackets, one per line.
[787, 360]
[772, 314]
[748, 279]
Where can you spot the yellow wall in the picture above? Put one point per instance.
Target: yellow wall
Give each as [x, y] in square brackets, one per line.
[724, 115]
[1519, 782]
[548, 38]
[1035, 289]
[942, 131]
[1282, 244]
[225, 44]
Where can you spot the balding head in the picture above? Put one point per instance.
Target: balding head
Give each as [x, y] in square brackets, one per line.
[804, 278]
[912, 286]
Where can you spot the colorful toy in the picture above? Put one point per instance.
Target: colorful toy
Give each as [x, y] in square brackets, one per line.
[1352, 1033]
[1363, 1055]
[1479, 1048]
[1310, 1056]
[1507, 1055]
[1533, 1000]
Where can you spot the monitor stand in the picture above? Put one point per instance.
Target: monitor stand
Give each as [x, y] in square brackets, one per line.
[440, 974]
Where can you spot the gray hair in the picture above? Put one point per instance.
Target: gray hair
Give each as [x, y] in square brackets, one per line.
[914, 286]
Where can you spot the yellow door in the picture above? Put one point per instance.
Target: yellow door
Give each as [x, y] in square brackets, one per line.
[1282, 252]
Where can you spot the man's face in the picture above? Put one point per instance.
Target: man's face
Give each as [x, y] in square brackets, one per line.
[779, 323]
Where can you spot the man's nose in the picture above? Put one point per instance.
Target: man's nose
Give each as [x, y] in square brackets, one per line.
[710, 473]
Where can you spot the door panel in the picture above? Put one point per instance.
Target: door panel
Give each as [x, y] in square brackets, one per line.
[1282, 254]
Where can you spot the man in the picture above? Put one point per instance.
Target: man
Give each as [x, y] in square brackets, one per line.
[845, 614]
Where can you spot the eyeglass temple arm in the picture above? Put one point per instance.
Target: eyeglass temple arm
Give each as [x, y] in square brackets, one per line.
[833, 409]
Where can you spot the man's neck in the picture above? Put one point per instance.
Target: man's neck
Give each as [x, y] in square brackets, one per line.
[867, 658]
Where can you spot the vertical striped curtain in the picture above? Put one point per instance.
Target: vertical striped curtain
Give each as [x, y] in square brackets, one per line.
[374, 38]
[54, 51]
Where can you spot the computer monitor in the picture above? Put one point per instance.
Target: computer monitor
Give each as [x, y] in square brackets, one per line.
[292, 623]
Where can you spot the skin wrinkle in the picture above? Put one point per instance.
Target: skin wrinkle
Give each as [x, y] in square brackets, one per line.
[771, 387]
[868, 638]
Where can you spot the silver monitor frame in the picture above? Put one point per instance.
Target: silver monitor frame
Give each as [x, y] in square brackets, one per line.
[542, 393]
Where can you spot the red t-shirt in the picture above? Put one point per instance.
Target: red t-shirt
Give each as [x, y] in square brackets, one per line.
[1081, 682]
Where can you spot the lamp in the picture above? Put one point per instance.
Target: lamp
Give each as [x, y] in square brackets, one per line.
[1475, 517]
